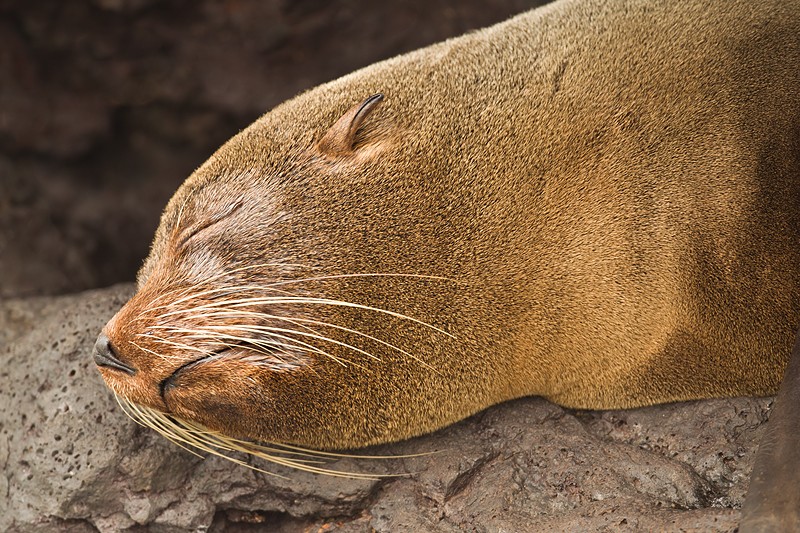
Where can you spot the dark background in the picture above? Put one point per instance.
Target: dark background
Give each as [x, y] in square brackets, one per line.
[107, 105]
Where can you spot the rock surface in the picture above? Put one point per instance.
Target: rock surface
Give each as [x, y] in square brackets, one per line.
[73, 462]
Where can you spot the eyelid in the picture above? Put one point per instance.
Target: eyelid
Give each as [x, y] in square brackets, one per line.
[194, 230]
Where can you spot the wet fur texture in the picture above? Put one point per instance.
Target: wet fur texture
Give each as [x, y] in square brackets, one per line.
[605, 195]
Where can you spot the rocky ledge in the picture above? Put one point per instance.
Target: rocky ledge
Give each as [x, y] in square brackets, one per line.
[72, 461]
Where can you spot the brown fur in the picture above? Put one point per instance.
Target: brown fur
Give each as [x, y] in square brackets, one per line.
[609, 191]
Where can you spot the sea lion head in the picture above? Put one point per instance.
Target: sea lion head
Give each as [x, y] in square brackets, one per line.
[269, 303]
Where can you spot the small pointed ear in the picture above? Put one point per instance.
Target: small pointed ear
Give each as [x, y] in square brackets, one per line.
[340, 138]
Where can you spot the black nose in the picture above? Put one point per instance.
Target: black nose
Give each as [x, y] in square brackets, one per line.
[105, 355]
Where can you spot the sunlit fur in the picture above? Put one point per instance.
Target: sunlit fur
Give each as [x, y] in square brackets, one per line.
[595, 202]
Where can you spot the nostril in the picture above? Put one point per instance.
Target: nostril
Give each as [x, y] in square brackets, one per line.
[106, 355]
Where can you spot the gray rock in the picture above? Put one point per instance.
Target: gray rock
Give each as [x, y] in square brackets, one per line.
[72, 461]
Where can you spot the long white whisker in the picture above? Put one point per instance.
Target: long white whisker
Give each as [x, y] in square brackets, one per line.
[270, 286]
[184, 433]
[169, 342]
[159, 355]
[270, 329]
[361, 333]
[297, 321]
[363, 275]
[215, 292]
[245, 302]
[219, 335]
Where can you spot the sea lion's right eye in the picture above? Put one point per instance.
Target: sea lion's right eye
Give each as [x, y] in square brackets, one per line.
[193, 230]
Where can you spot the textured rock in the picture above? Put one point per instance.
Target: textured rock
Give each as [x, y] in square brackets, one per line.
[72, 461]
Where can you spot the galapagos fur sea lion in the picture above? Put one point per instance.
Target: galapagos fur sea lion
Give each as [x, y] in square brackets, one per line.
[594, 202]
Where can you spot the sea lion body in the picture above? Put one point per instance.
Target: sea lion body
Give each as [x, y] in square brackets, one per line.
[595, 202]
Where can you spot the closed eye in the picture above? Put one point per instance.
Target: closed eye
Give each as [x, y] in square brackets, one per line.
[190, 232]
